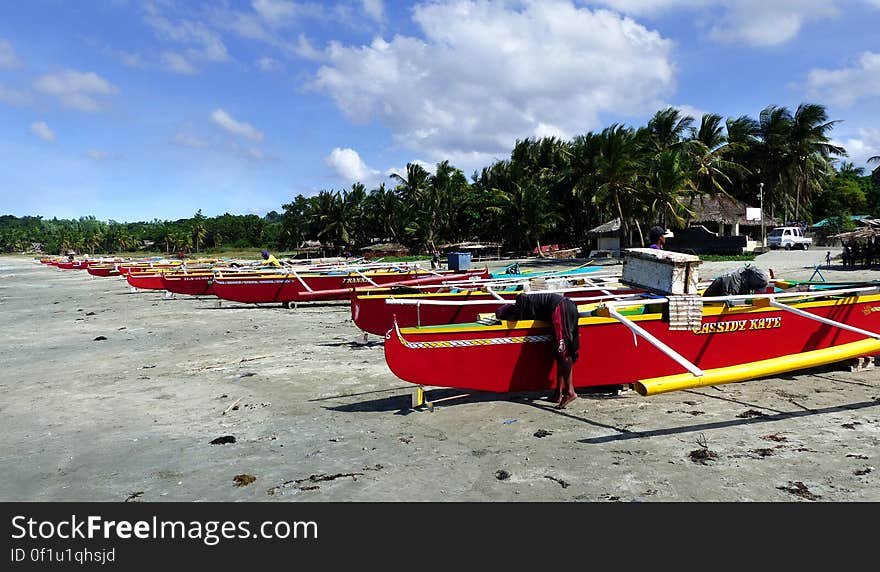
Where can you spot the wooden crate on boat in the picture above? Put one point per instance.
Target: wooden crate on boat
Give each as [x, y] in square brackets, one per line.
[661, 270]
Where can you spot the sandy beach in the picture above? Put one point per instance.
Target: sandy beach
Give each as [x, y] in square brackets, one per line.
[110, 395]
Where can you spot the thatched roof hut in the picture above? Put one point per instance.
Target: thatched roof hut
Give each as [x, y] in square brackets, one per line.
[384, 249]
[723, 210]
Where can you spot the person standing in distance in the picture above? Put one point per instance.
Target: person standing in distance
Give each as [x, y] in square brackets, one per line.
[658, 236]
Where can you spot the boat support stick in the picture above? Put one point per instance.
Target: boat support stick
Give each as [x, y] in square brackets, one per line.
[365, 277]
[301, 281]
[657, 343]
[810, 316]
[495, 294]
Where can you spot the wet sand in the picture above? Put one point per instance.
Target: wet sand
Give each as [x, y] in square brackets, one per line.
[317, 416]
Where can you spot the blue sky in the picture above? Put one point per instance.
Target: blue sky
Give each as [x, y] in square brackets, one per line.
[134, 110]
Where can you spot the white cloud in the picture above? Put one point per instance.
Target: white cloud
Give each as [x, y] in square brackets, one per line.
[267, 19]
[860, 148]
[304, 49]
[847, 85]
[349, 166]
[76, 90]
[14, 97]
[762, 23]
[132, 60]
[235, 127]
[187, 139]
[253, 154]
[96, 155]
[268, 64]
[203, 43]
[755, 22]
[650, 7]
[8, 59]
[375, 9]
[275, 12]
[486, 74]
[41, 130]
[177, 63]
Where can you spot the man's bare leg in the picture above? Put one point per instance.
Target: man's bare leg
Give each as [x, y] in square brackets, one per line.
[566, 384]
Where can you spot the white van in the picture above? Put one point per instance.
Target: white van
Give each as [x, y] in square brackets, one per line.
[788, 237]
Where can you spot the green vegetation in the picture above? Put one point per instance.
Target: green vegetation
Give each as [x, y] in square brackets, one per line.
[549, 191]
[749, 256]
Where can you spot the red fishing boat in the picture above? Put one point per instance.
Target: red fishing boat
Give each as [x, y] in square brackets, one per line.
[103, 270]
[191, 284]
[333, 285]
[74, 265]
[687, 337]
[737, 338]
[201, 283]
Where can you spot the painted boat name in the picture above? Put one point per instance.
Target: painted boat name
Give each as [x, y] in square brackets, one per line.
[739, 325]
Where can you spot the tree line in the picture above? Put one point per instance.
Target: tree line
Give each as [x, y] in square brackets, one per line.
[548, 191]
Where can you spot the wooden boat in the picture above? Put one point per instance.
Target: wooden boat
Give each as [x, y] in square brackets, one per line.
[330, 285]
[201, 282]
[375, 311]
[74, 265]
[103, 270]
[145, 280]
[632, 342]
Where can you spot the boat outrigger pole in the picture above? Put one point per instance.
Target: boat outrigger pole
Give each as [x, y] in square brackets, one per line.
[654, 341]
[773, 366]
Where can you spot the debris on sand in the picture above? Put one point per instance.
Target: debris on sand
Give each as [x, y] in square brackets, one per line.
[223, 440]
[850, 425]
[865, 471]
[703, 455]
[564, 484]
[100, 338]
[233, 406]
[798, 488]
[542, 433]
[763, 452]
[751, 413]
[502, 475]
[295, 485]
[778, 437]
[243, 480]
[133, 496]
[857, 456]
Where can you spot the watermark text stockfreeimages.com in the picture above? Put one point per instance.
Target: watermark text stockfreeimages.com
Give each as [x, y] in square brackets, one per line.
[210, 532]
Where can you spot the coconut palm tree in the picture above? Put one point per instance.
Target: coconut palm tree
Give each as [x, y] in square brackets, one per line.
[666, 182]
[199, 230]
[667, 129]
[94, 240]
[617, 168]
[810, 152]
[774, 126]
[382, 207]
[710, 158]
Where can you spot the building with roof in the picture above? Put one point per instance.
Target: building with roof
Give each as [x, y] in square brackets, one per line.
[718, 224]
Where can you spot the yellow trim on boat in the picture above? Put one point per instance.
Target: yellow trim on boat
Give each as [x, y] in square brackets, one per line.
[756, 369]
[710, 309]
